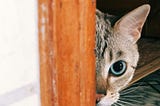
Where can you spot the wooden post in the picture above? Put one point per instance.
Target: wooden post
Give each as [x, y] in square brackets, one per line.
[67, 60]
[47, 77]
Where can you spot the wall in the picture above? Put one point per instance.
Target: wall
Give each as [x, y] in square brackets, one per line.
[19, 67]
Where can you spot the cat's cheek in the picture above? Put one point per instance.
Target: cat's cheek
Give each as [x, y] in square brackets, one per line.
[131, 76]
[128, 77]
[105, 72]
[118, 83]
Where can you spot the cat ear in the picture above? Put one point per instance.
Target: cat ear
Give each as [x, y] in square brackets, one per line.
[132, 23]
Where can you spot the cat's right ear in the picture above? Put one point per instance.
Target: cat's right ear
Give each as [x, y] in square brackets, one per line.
[131, 24]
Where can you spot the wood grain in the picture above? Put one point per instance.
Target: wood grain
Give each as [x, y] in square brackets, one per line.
[67, 60]
[146, 70]
[48, 95]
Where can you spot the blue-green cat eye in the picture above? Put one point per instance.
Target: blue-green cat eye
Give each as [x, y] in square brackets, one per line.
[118, 68]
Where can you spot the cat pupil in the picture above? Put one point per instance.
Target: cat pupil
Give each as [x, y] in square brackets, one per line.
[118, 68]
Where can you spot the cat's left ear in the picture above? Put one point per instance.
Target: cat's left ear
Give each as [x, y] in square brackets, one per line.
[131, 24]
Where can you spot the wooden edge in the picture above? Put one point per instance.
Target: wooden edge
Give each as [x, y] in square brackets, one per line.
[45, 50]
[66, 33]
[146, 70]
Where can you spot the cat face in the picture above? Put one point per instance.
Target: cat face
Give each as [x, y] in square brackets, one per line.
[116, 52]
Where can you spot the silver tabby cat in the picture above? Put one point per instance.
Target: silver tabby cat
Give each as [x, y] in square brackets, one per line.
[116, 52]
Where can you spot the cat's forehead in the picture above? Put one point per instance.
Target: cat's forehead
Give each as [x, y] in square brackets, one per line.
[102, 23]
[119, 49]
[119, 45]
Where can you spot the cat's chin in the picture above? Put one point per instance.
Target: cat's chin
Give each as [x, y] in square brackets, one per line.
[108, 100]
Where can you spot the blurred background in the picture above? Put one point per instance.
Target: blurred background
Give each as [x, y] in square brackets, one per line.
[19, 63]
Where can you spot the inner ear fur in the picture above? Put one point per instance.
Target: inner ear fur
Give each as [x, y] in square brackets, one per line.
[132, 23]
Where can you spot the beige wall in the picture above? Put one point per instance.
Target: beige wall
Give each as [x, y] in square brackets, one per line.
[19, 72]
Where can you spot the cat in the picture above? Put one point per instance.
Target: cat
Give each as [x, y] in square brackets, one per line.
[116, 52]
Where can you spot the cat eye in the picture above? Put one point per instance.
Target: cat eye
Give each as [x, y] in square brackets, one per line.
[118, 68]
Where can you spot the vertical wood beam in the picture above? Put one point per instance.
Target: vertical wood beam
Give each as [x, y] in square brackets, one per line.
[67, 60]
[45, 24]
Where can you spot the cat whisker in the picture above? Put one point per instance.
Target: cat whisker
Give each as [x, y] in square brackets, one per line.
[131, 100]
[133, 86]
[132, 96]
[114, 104]
[124, 102]
[127, 91]
[118, 104]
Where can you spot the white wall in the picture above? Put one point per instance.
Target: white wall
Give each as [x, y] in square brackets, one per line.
[19, 67]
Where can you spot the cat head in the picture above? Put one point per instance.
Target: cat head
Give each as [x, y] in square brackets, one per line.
[116, 52]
